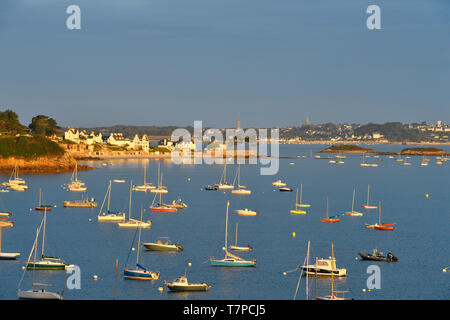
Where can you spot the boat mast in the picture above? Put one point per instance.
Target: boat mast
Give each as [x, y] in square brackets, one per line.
[226, 229]
[301, 191]
[139, 240]
[129, 205]
[327, 207]
[43, 233]
[39, 197]
[379, 212]
[368, 190]
[235, 243]
[353, 201]
[307, 263]
[109, 194]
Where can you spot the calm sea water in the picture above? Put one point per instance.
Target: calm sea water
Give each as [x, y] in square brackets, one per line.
[420, 239]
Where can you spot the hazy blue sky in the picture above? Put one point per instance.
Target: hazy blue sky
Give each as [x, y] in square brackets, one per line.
[161, 62]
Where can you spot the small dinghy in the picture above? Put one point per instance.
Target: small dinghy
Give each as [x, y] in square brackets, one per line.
[211, 188]
[378, 256]
[285, 189]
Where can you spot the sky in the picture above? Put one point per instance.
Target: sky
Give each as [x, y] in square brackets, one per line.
[170, 62]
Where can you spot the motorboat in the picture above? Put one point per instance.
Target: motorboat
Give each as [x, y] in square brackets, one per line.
[278, 183]
[246, 212]
[162, 244]
[378, 256]
[325, 267]
[182, 284]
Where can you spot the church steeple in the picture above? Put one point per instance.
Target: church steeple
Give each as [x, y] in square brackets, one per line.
[239, 121]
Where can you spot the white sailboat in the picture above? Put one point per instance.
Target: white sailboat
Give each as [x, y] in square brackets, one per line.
[37, 291]
[133, 223]
[15, 183]
[240, 189]
[367, 206]
[235, 247]
[223, 184]
[146, 186]
[353, 212]
[230, 260]
[160, 188]
[108, 215]
[76, 185]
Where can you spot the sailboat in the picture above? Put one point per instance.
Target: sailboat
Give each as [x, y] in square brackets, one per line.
[140, 273]
[353, 213]
[36, 291]
[160, 206]
[295, 210]
[160, 188]
[109, 216]
[240, 189]
[42, 207]
[46, 262]
[379, 225]
[14, 179]
[76, 185]
[333, 295]
[230, 260]
[235, 247]
[146, 186]
[330, 219]
[302, 205]
[223, 184]
[6, 255]
[133, 223]
[367, 206]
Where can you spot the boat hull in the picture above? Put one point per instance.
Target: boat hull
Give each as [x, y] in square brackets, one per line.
[162, 247]
[330, 220]
[236, 263]
[80, 204]
[188, 287]
[297, 212]
[140, 275]
[163, 209]
[388, 258]
[38, 294]
[8, 256]
[46, 265]
[111, 218]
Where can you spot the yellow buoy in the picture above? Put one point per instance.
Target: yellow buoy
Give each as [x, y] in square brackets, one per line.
[293, 234]
[189, 179]
[426, 196]
[160, 289]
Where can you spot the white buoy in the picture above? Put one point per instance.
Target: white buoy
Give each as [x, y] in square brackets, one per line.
[160, 289]
[363, 290]
[95, 277]
[284, 273]
[190, 264]
[132, 249]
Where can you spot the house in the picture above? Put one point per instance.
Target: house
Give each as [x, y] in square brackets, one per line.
[72, 135]
[117, 139]
[82, 137]
[141, 142]
[166, 143]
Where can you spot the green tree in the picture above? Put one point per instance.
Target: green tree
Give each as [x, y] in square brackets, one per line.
[43, 125]
[9, 123]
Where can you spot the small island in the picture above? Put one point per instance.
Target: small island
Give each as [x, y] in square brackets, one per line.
[347, 148]
[31, 149]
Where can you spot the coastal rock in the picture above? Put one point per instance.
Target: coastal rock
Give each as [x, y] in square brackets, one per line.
[45, 164]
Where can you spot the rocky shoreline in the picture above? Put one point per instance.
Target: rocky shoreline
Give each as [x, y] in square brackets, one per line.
[62, 164]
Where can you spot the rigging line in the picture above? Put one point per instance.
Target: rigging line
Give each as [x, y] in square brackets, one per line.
[132, 243]
[299, 279]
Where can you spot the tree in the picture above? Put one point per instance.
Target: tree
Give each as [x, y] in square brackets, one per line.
[43, 125]
[9, 123]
